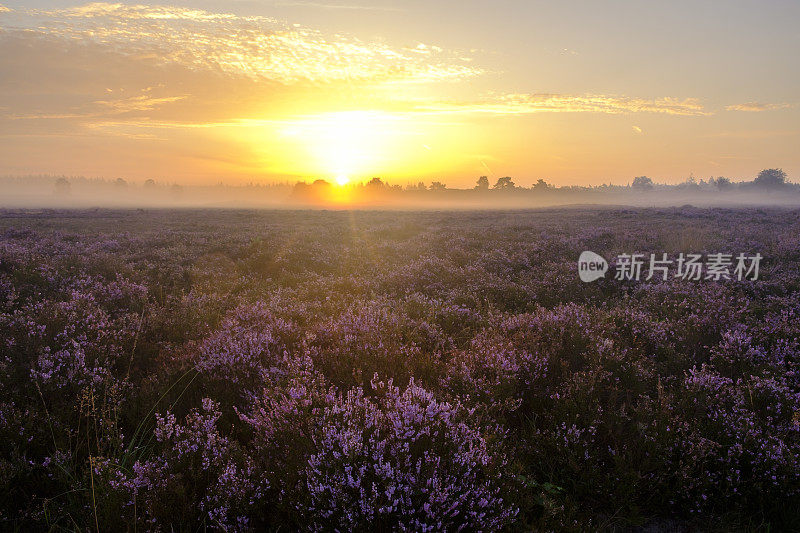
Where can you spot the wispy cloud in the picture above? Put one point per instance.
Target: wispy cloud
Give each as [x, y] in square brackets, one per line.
[518, 104]
[140, 12]
[259, 48]
[132, 109]
[142, 102]
[754, 107]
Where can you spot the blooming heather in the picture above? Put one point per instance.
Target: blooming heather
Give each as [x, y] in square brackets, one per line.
[322, 371]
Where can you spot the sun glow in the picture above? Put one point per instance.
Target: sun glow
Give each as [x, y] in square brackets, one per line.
[348, 145]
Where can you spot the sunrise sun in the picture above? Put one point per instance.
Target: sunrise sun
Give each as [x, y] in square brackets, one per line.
[346, 145]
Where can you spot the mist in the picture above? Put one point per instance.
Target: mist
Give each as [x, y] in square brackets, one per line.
[770, 187]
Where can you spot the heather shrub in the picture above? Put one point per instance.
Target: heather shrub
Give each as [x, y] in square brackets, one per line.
[369, 339]
[492, 371]
[246, 352]
[195, 477]
[401, 460]
[595, 429]
[742, 442]
[380, 457]
[698, 315]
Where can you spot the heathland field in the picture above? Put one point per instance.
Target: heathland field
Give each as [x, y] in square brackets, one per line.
[383, 371]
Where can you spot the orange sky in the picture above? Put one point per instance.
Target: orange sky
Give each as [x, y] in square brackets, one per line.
[199, 92]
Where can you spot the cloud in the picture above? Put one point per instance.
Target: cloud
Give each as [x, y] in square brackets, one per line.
[754, 107]
[518, 104]
[4, 9]
[166, 72]
[134, 12]
[637, 129]
[259, 48]
[137, 103]
[52, 85]
[107, 107]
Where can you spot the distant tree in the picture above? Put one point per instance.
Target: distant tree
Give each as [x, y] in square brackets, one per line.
[482, 184]
[504, 183]
[642, 183]
[771, 177]
[438, 186]
[62, 186]
[376, 183]
[721, 183]
[690, 184]
[541, 185]
[120, 183]
[150, 184]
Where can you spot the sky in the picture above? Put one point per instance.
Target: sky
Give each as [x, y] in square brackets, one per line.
[237, 91]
